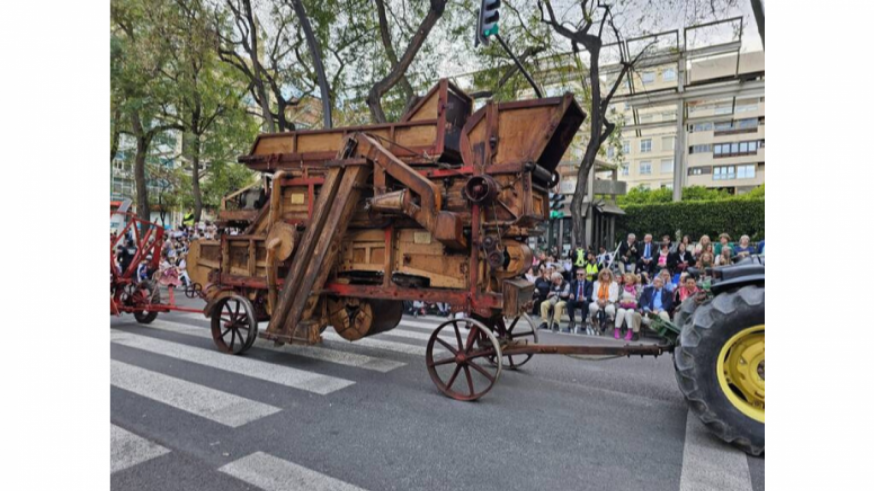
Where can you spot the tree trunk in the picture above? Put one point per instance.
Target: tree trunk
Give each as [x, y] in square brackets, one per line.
[113, 145]
[595, 123]
[195, 177]
[269, 125]
[374, 97]
[144, 139]
[316, 52]
[385, 33]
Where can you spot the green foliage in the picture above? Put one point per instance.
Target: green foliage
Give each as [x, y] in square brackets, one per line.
[737, 216]
[640, 196]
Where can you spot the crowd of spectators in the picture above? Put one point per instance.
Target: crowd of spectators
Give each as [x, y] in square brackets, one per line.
[171, 270]
[640, 281]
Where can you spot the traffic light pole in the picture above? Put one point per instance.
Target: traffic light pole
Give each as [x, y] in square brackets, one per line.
[520, 67]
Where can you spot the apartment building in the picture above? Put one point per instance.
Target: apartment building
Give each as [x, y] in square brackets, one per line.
[724, 137]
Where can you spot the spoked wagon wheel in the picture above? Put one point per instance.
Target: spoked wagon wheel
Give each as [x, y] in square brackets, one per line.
[146, 293]
[193, 290]
[463, 372]
[521, 329]
[234, 328]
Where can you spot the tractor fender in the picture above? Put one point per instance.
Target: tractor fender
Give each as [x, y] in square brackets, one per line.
[734, 283]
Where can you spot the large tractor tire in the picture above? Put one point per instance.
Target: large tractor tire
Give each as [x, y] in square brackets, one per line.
[720, 366]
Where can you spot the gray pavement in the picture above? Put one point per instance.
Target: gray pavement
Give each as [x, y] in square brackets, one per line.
[354, 416]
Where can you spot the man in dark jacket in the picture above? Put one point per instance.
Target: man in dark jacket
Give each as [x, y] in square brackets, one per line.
[655, 301]
[541, 288]
[628, 254]
[581, 295]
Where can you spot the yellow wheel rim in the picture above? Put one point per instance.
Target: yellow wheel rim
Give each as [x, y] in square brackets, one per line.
[741, 371]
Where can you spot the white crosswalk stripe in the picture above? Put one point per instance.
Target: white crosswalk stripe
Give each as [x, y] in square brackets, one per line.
[407, 349]
[710, 464]
[315, 352]
[127, 450]
[215, 405]
[274, 474]
[207, 356]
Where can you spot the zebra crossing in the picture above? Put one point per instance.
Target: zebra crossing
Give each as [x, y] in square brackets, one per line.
[381, 354]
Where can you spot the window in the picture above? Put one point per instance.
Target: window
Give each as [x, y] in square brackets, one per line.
[669, 75]
[625, 170]
[646, 118]
[610, 152]
[746, 171]
[738, 148]
[723, 109]
[702, 127]
[700, 149]
[646, 145]
[722, 126]
[744, 147]
[626, 147]
[696, 171]
[645, 168]
[668, 143]
[647, 77]
[723, 173]
[667, 166]
[748, 123]
[746, 105]
[717, 150]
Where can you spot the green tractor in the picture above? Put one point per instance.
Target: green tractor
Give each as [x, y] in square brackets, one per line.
[720, 352]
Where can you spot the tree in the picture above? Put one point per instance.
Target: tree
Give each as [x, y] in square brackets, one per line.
[398, 69]
[138, 92]
[600, 127]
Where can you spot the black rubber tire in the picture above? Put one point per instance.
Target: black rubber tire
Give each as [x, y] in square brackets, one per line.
[684, 311]
[155, 295]
[703, 335]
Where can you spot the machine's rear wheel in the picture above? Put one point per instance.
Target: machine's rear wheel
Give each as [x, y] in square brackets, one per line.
[234, 328]
[463, 372]
[521, 329]
[720, 366]
[146, 293]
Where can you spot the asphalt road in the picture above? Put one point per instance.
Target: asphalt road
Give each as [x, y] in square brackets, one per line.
[351, 416]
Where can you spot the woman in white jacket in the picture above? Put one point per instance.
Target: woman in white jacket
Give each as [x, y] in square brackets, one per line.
[605, 293]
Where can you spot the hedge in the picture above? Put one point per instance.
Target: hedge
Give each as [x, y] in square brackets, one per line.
[737, 216]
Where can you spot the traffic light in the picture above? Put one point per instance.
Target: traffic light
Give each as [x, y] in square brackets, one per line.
[556, 204]
[487, 24]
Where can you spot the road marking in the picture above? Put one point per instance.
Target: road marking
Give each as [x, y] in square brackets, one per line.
[215, 405]
[708, 463]
[274, 474]
[249, 367]
[407, 349]
[127, 450]
[419, 336]
[320, 353]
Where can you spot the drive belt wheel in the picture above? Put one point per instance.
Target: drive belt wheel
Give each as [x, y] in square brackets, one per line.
[720, 366]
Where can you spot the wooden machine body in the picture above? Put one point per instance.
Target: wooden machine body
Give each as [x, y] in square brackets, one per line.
[444, 202]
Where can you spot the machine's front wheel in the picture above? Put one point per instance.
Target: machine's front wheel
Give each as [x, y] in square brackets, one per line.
[463, 371]
[234, 328]
[720, 366]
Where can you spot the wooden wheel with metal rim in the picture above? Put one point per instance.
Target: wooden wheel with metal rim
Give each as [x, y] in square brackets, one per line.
[522, 329]
[234, 328]
[463, 371]
[193, 290]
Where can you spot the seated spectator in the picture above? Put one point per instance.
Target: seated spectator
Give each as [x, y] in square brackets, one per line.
[744, 249]
[703, 245]
[679, 261]
[724, 240]
[581, 295]
[724, 258]
[648, 253]
[605, 293]
[541, 287]
[688, 288]
[629, 254]
[760, 248]
[530, 275]
[665, 275]
[705, 260]
[627, 304]
[663, 257]
[556, 299]
[591, 267]
[604, 258]
[655, 301]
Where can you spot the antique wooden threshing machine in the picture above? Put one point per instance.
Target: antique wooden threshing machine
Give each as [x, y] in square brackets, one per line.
[435, 207]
